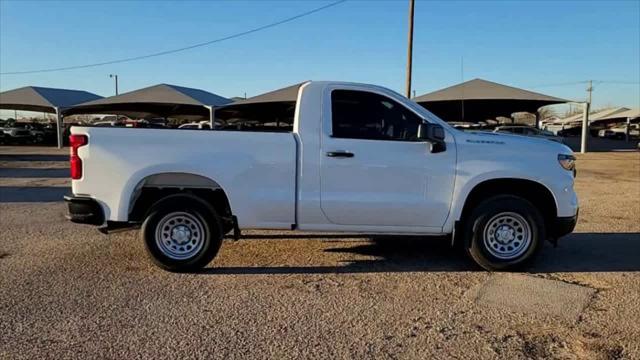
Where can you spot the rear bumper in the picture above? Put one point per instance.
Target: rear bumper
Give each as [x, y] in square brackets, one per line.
[84, 210]
[564, 225]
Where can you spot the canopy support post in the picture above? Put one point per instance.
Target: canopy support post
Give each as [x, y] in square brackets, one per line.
[59, 127]
[211, 116]
[585, 128]
[626, 130]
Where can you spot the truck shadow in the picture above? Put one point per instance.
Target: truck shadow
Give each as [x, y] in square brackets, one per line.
[34, 173]
[591, 252]
[33, 157]
[579, 252]
[303, 236]
[25, 194]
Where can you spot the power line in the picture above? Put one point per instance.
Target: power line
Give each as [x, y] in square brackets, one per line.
[560, 84]
[618, 82]
[166, 52]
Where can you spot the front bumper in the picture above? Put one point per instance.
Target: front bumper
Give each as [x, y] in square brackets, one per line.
[84, 210]
[563, 226]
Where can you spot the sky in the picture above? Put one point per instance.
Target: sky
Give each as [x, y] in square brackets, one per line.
[543, 46]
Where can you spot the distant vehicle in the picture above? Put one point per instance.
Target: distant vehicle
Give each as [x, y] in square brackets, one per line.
[206, 124]
[528, 131]
[155, 123]
[17, 133]
[606, 133]
[42, 133]
[570, 132]
[129, 123]
[105, 123]
[619, 132]
[465, 125]
[375, 163]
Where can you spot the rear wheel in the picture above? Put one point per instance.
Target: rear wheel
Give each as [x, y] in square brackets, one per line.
[182, 233]
[504, 232]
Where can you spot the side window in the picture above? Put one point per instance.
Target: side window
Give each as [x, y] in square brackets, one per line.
[365, 115]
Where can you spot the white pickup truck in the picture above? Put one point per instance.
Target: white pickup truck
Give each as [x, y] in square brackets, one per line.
[350, 158]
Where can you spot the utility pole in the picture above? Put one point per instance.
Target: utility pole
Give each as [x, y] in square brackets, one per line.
[585, 120]
[461, 81]
[114, 76]
[410, 49]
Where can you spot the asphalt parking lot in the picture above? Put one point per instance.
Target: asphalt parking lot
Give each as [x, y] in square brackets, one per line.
[67, 291]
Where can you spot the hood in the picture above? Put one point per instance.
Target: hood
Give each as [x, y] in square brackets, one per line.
[512, 143]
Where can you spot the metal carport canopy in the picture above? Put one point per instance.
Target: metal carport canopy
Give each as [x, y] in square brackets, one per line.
[162, 100]
[42, 99]
[286, 94]
[277, 101]
[478, 100]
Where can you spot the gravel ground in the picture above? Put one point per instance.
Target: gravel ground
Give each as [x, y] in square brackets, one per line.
[69, 292]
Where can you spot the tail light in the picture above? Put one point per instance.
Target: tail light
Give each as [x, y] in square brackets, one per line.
[76, 141]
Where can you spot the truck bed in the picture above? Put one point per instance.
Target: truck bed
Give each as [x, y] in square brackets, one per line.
[257, 171]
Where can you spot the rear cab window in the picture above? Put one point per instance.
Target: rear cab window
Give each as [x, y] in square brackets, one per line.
[267, 117]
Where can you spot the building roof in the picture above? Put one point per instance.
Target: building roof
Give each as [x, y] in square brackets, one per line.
[161, 100]
[42, 99]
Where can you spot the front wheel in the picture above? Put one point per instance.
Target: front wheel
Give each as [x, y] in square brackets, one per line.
[504, 232]
[182, 233]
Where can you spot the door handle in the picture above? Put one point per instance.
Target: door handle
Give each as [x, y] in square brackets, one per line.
[340, 154]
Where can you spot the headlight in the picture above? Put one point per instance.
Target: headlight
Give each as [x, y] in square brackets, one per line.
[568, 162]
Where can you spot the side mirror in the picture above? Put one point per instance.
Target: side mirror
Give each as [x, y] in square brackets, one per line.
[434, 134]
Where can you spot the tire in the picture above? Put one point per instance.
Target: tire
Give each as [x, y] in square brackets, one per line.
[504, 232]
[182, 233]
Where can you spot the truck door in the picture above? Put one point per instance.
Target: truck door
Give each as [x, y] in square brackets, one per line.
[374, 171]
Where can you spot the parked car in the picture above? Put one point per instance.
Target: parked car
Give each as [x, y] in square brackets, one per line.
[359, 158]
[156, 123]
[619, 132]
[205, 124]
[42, 133]
[575, 131]
[465, 125]
[106, 123]
[17, 133]
[528, 131]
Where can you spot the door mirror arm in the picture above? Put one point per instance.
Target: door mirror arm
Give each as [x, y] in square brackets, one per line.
[434, 134]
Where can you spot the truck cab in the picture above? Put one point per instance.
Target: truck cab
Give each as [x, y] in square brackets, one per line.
[356, 158]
